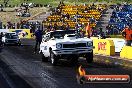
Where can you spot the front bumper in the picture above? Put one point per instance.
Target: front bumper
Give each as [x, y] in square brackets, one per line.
[74, 51]
[12, 42]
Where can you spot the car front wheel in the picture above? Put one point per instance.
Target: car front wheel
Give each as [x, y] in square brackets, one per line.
[44, 59]
[53, 58]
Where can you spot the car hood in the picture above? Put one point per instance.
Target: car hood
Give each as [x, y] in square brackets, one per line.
[70, 40]
[12, 39]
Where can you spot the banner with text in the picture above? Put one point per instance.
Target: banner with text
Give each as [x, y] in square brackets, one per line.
[104, 46]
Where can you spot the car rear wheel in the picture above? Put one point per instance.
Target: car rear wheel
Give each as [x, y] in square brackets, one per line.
[89, 57]
[53, 58]
[44, 59]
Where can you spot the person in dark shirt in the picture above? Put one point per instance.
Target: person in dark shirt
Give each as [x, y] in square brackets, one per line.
[62, 27]
[38, 37]
[1, 35]
[68, 16]
[67, 27]
[50, 27]
[55, 26]
[127, 34]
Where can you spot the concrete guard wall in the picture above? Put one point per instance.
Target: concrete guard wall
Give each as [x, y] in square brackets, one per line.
[126, 52]
[119, 43]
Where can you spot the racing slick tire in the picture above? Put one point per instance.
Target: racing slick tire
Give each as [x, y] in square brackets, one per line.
[53, 58]
[44, 59]
[89, 57]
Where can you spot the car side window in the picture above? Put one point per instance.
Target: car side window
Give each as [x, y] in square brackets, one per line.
[46, 37]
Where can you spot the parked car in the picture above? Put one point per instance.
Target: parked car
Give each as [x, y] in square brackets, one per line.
[23, 14]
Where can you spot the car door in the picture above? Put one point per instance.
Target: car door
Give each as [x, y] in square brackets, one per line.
[44, 45]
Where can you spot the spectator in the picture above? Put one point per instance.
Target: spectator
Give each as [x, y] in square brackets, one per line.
[13, 25]
[68, 16]
[4, 26]
[94, 33]
[1, 35]
[127, 33]
[18, 25]
[100, 30]
[50, 27]
[55, 26]
[102, 35]
[62, 27]
[67, 27]
[38, 38]
[88, 30]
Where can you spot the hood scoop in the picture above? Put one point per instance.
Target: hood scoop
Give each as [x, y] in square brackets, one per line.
[70, 36]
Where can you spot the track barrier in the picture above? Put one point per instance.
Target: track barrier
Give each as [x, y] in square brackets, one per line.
[126, 52]
[104, 46]
[22, 33]
[119, 43]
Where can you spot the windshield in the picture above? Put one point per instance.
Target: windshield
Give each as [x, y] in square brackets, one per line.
[11, 36]
[59, 34]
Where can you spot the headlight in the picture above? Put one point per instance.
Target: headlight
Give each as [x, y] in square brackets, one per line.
[89, 43]
[58, 45]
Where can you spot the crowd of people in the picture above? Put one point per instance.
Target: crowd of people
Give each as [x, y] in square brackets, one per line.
[74, 17]
[121, 17]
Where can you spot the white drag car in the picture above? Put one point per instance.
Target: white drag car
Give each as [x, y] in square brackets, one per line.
[62, 44]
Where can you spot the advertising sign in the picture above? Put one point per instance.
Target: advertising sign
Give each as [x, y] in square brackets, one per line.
[22, 33]
[101, 46]
[83, 78]
[104, 46]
